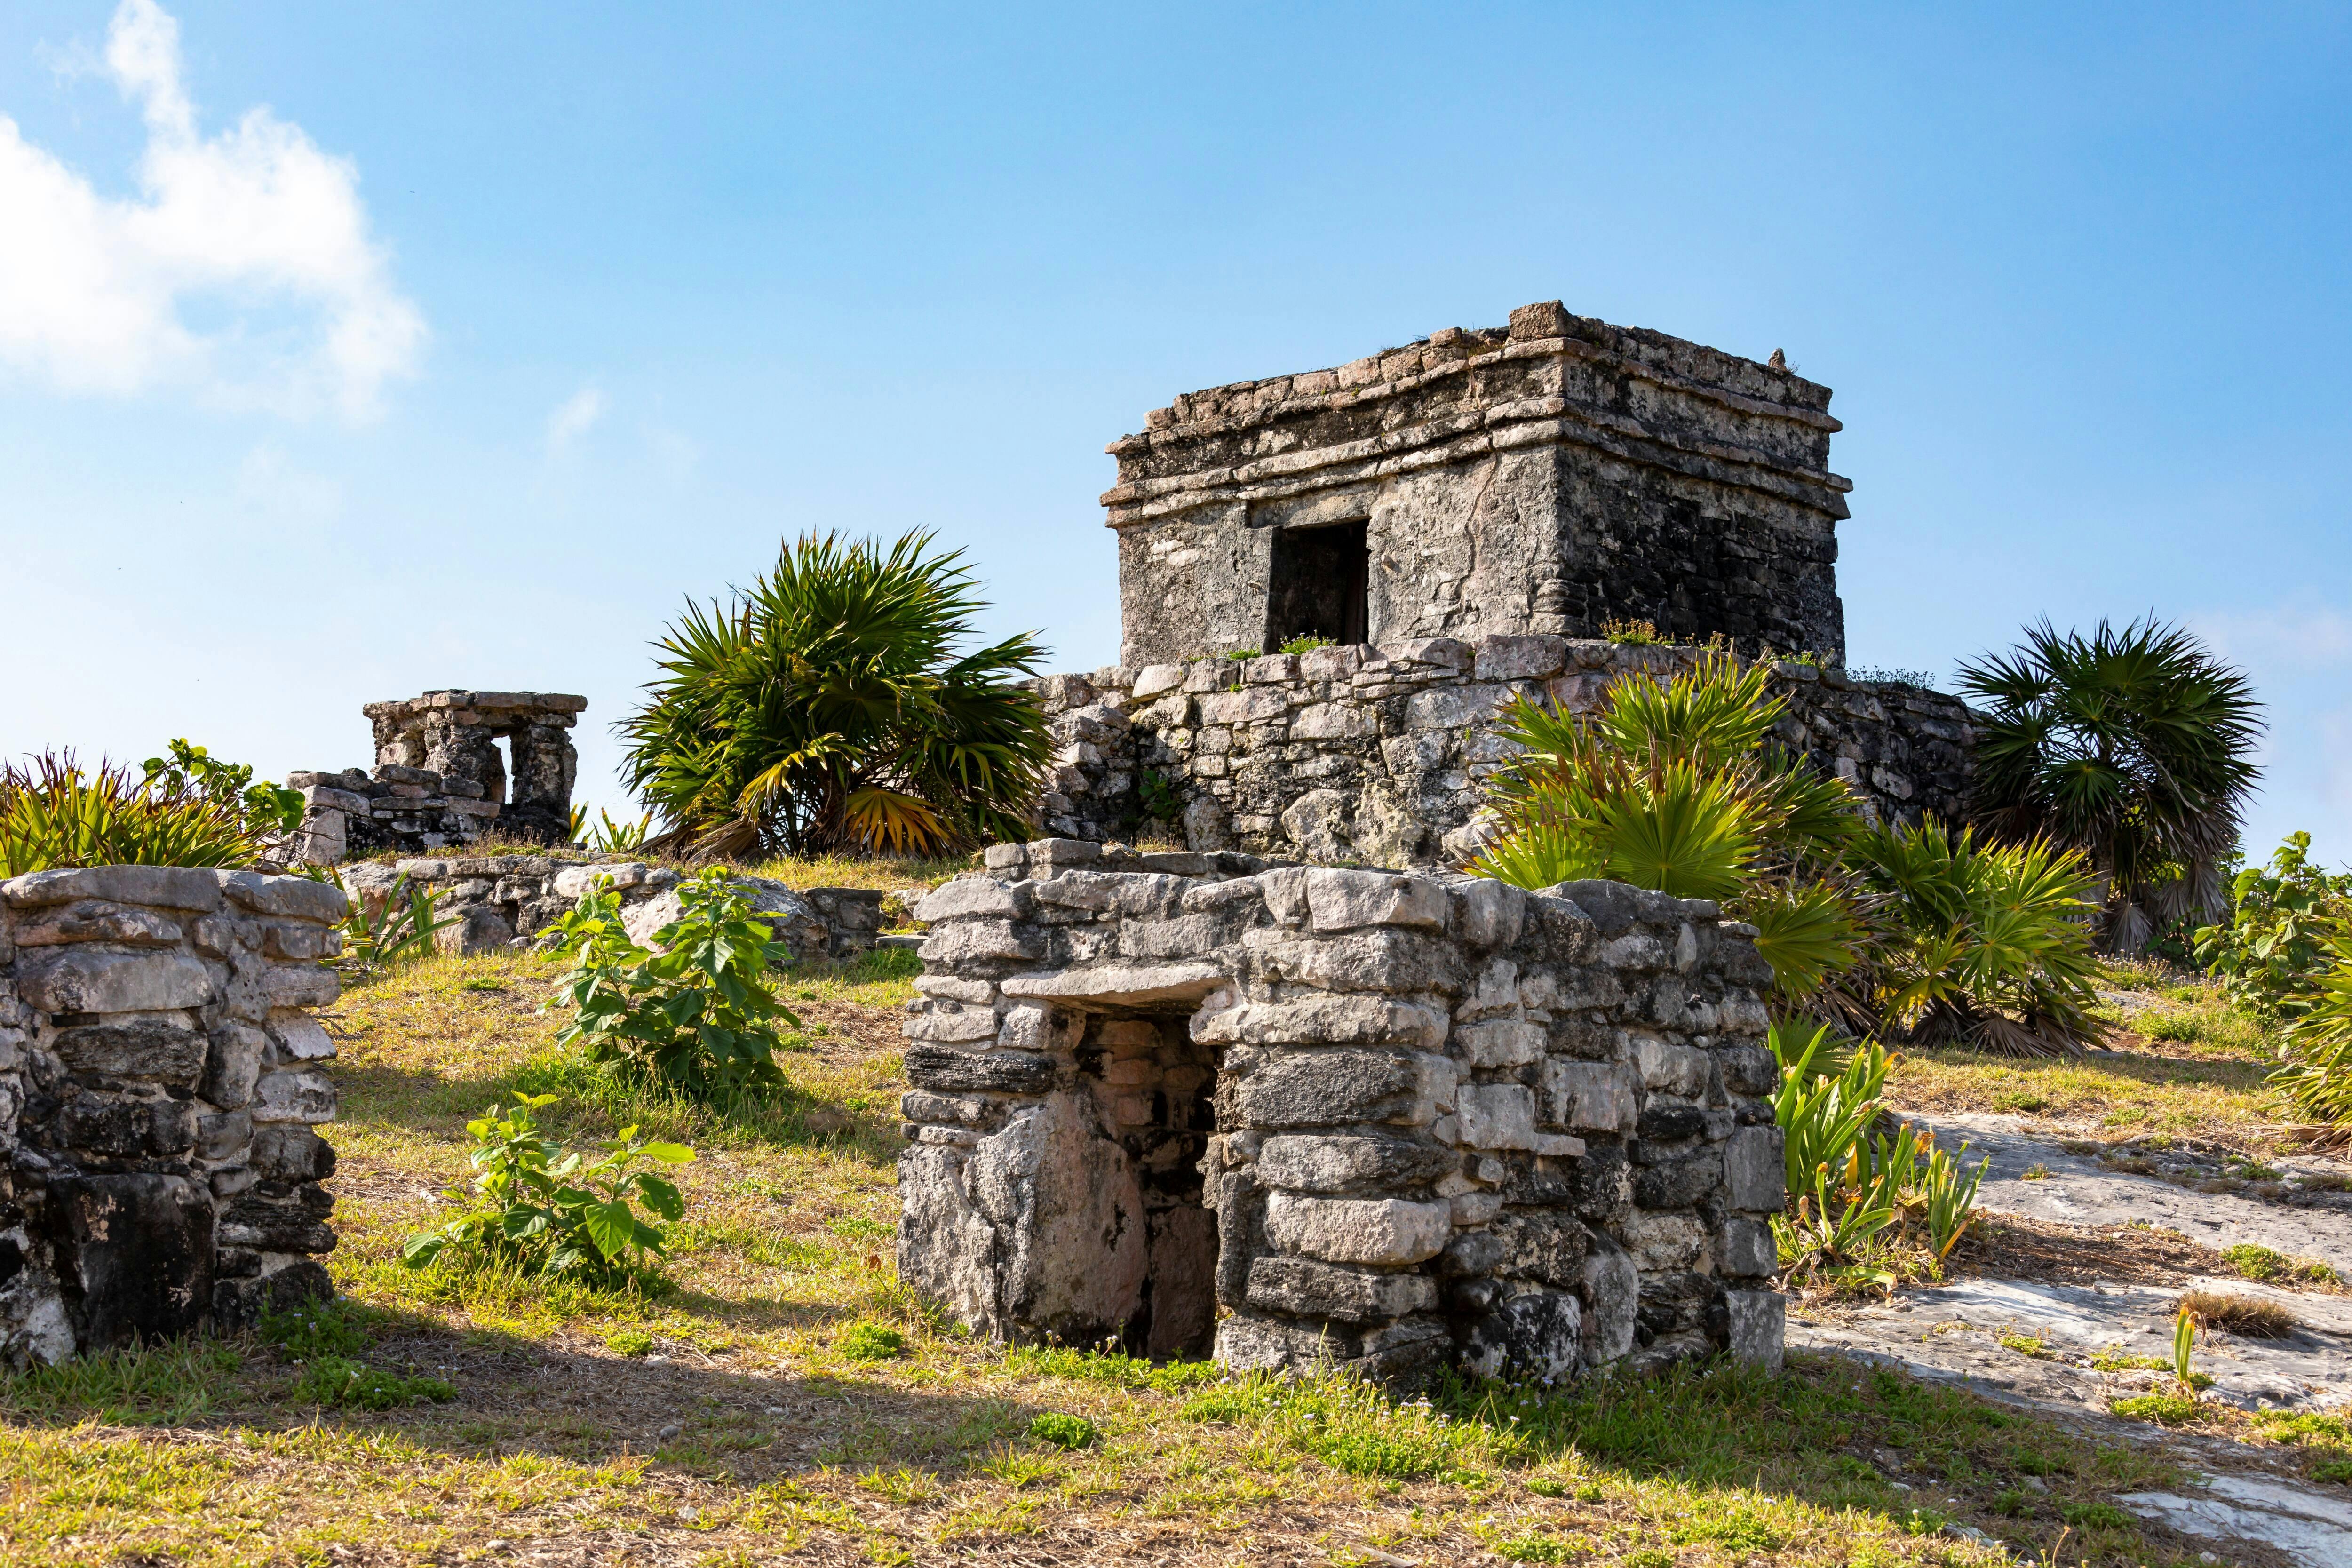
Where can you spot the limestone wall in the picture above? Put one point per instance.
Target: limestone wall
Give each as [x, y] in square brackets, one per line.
[1377, 755]
[1390, 1120]
[161, 1080]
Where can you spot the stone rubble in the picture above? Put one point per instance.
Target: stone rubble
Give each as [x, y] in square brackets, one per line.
[1392, 1122]
[161, 1078]
[1381, 755]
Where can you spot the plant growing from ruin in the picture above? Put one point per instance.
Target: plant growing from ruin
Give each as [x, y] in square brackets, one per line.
[395, 931]
[268, 809]
[57, 814]
[828, 707]
[607, 837]
[546, 1210]
[695, 1013]
[1307, 643]
[2134, 746]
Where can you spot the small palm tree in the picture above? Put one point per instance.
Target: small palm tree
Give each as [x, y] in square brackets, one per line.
[827, 708]
[2134, 746]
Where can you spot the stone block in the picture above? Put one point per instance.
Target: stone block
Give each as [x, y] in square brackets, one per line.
[1748, 1250]
[1486, 913]
[296, 898]
[1392, 1231]
[1671, 1068]
[134, 1048]
[993, 1072]
[82, 979]
[1668, 1122]
[1249, 1342]
[1612, 1288]
[1304, 1288]
[235, 1058]
[1544, 1246]
[980, 941]
[1679, 1183]
[1114, 984]
[1535, 657]
[1333, 1088]
[137, 1253]
[949, 1023]
[1501, 1042]
[1340, 1163]
[1591, 1097]
[290, 1096]
[1759, 1328]
[1343, 1020]
[1537, 1334]
[162, 886]
[311, 984]
[1383, 959]
[1496, 1116]
[968, 898]
[1755, 1169]
[1341, 901]
[91, 920]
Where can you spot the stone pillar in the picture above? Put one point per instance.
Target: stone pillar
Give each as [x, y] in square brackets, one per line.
[161, 1081]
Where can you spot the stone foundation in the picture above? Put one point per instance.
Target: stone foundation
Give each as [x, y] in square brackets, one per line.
[161, 1081]
[1381, 755]
[1193, 1104]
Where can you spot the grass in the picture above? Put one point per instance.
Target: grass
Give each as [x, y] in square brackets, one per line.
[765, 1428]
[2265, 1265]
[2250, 1317]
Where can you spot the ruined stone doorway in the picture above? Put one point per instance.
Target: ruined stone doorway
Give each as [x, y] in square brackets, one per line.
[1320, 584]
[1154, 1086]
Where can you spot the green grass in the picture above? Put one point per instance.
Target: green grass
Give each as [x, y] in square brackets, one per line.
[1064, 1431]
[2264, 1264]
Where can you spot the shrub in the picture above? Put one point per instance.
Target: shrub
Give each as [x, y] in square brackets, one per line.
[548, 1211]
[827, 708]
[1987, 945]
[1064, 1431]
[632, 1342]
[2271, 954]
[2315, 1076]
[2134, 746]
[265, 809]
[1162, 802]
[55, 814]
[2263, 1264]
[606, 836]
[870, 1342]
[696, 1012]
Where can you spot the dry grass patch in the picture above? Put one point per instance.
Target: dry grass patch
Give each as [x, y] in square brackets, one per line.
[2251, 1317]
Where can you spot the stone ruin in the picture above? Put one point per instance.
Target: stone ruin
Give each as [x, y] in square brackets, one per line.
[160, 1084]
[1547, 477]
[439, 778]
[1195, 1102]
[1462, 520]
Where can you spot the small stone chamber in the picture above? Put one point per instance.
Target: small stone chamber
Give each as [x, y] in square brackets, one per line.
[1194, 1102]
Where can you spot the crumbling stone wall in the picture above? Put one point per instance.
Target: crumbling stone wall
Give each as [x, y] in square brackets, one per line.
[439, 779]
[1380, 755]
[161, 1078]
[497, 900]
[1543, 478]
[1388, 1120]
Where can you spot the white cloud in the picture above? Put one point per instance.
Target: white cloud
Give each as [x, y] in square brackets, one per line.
[269, 486]
[256, 224]
[574, 417]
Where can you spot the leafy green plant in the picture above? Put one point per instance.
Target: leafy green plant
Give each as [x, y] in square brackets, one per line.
[56, 814]
[2315, 1076]
[828, 707]
[1064, 1431]
[399, 929]
[2135, 746]
[1161, 801]
[632, 1342]
[1307, 643]
[316, 1328]
[1822, 1114]
[2273, 950]
[1636, 634]
[605, 835]
[1871, 675]
[547, 1210]
[2255, 1261]
[267, 809]
[696, 1012]
[1987, 945]
[870, 1342]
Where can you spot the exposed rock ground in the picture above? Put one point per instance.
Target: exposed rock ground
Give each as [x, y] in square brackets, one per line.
[2065, 1344]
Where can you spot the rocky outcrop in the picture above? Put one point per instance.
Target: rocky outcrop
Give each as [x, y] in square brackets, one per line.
[162, 1080]
[1390, 1120]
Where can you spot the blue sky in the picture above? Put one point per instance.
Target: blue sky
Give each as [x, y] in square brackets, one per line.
[347, 351]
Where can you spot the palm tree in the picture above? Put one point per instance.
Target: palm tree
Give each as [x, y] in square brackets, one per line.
[2133, 746]
[827, 708]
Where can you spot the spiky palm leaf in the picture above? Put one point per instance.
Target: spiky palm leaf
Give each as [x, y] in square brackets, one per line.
[2133, 745]
[828, 707]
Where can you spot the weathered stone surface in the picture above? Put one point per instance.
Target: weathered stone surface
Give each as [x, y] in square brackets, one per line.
[1348, 900]
[1530, 1333]
[966, 896]
[1304, 1288]
[1325, 1020]
[294, 1097]
[1119, 984]
[1591, 1097]
[1359, 1230]
[1333, 1088]
[1497, 1116]
[90, 980]
[1502, 1043]
[989, 1073]
[1307, 1163]
[136, 1254]
[162, 886]
[1755, 1170]
[233, 1059]
[1680, 1181]
[1748, 1250]
[1544, 1246]
[292, 1154]
[88, 920]
[1613, 1287]
[136, 1047]
[1759, 1328]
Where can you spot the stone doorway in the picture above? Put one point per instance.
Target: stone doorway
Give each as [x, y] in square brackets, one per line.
[1318, 584]
[1154, 1088]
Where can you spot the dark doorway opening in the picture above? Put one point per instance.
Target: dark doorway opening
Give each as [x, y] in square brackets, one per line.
[1320, 584]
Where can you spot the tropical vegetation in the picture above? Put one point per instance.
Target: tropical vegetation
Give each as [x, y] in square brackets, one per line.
[828, 707]
[56, 812]
[2272, 950]
[2134, 745]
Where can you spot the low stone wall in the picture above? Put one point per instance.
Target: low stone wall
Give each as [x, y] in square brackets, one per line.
[1390, 1120]
[1379, 756]
[502, 900]
[161, 1081]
